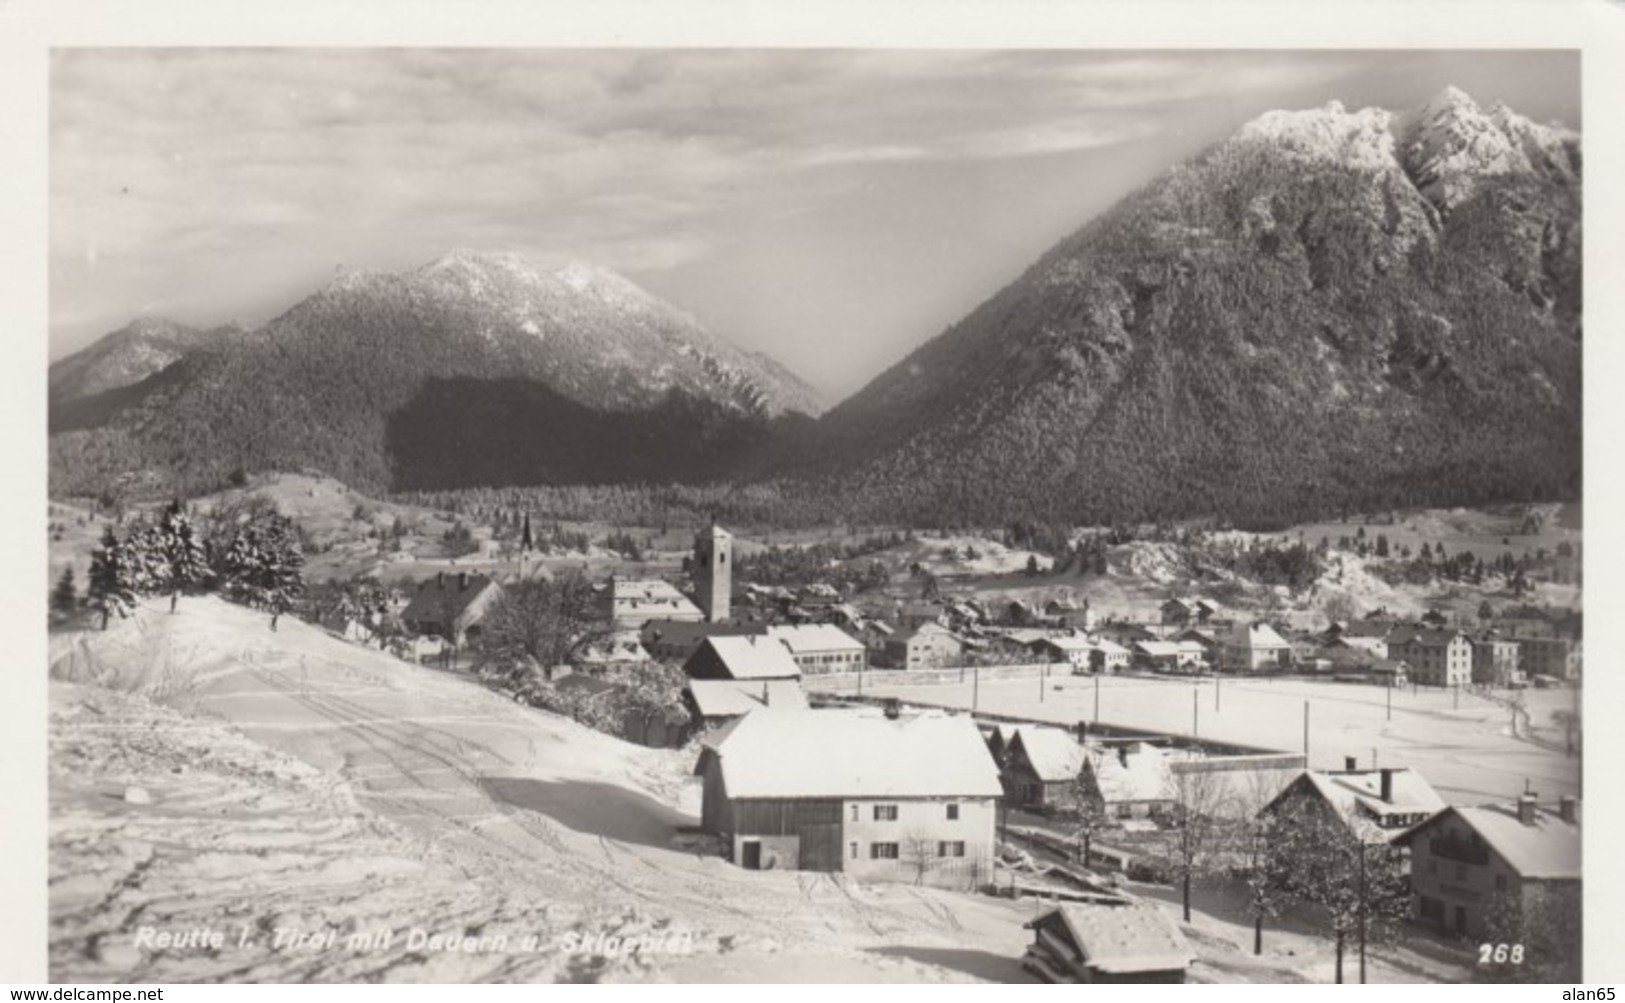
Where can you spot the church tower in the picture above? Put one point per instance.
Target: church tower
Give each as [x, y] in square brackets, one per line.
[713, 578]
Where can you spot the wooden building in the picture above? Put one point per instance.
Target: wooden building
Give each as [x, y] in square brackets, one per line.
[450, 606]
[877, 794]
[1040, 768]
[1101, 942]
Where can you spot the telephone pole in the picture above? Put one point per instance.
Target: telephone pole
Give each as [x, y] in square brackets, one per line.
[1306, 734]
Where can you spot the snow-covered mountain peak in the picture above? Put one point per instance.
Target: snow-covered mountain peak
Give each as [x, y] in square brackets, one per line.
[1359, 139]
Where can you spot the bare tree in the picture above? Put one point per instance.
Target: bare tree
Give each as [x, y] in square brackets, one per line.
[1255, 835]
[1084, 810]
[1199, 805]
[919, 854]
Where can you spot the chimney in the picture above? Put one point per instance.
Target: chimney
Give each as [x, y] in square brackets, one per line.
[462, 580]
[1350, 764]
[767, 698]
[440, 579]
[1566, 809]
[1388, 785]
[894, 708]
[1526, 809]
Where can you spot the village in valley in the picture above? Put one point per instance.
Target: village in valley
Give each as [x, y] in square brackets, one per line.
[616, 512]
[1365, 774]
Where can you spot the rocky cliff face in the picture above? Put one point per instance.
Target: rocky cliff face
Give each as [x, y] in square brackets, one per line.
[1332, 309]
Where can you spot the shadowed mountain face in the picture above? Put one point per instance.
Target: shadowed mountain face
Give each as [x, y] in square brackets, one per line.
[1331, 310]
[462, 431]
[330, 383]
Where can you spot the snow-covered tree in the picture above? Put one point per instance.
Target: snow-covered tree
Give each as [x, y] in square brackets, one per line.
[540, 620]
[65, 596]
[181, 563]
[1342, 865]
[1084, 811]
[111, 590]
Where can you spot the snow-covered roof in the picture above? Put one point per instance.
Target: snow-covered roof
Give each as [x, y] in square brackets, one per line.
[1158, 649]
[1054, 754]
[732, 697]
[1145, 776]
[1359, 794]
[755, 656]
[810, 637]
[1065, 642]
[1120, 939]
[856, 754]
[1546, 848]
[1107, 646]
[1258, 635]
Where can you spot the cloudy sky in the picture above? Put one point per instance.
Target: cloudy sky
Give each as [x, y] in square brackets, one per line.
[833, 208]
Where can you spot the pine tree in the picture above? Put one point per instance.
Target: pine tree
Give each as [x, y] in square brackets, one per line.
[526, 543]
[282, 564]
[182, 561]
[65, 597]
[110, 589]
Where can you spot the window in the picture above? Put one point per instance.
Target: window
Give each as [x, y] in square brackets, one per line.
[952, 848]
[953, 813]
[854, 851]
[882, 851]
[885, 813]
[854, 813]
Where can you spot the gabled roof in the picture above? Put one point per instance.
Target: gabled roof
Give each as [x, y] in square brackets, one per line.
[1258, 635]
[1431, 637]
[809, 637]
[1549, 848]
[1122, 939]
[732, 697]
[442, 599]
[1064, 642]
[754, 657]
[856, 753]
[929, 630]
[690, 633]
[1145, 776]
[1358, 795]
[1107, 646]
[1053, 753]
[1158, 649]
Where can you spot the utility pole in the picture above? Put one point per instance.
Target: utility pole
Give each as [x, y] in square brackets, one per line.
[1043, 677]
[1362, 911]
[1196, 707]
[1306, 734]
[1390, 699]
[1215, 691]
[1097, 697]
[975, 687]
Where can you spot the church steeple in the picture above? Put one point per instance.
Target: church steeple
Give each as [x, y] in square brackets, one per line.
[713, 574]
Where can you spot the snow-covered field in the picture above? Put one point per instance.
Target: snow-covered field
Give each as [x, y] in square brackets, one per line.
[1469, 753]
[232, 803]
[298, 783]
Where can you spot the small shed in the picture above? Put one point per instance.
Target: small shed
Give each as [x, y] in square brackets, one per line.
[1098, 942]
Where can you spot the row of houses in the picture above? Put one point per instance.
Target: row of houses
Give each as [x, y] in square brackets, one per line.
[1437, 654]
